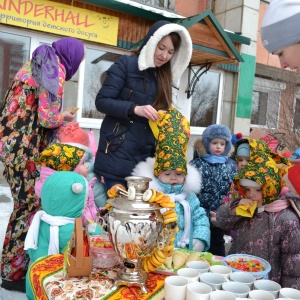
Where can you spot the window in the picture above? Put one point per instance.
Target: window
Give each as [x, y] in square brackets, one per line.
[266, 103]
[92, 75]
[166, 4]
[259, 108]
[14, 52]
[206, 99]
[297, 114]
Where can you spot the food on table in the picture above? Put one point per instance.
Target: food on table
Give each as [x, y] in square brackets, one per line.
[246, 265]
[100, 243]
[192, 257]
[168, 262]
[179, 259]
[204, 260]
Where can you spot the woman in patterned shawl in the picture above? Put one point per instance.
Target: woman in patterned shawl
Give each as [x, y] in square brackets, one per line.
[30, 113]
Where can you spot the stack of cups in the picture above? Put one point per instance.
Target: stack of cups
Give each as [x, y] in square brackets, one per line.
[200, 281]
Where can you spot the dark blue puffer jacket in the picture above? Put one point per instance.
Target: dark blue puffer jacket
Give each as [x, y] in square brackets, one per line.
[124, 86]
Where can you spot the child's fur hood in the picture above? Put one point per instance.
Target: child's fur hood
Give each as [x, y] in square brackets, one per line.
[192, 182]
[200, 150]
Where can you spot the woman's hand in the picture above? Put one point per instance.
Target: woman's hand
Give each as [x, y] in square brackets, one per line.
[147, 111]
[68, 116]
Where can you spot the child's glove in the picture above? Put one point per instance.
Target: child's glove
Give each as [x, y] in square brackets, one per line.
[198, 246]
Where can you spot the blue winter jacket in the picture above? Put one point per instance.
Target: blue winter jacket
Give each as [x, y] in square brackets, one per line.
[124, 140]
[199, 221]
[216, 179]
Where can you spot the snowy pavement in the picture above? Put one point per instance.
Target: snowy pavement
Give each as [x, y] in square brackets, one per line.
[6, 207]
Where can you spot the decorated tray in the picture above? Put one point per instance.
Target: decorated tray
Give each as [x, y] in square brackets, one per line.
[180, 257]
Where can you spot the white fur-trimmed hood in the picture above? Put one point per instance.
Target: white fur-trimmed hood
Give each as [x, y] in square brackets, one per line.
[181, 58]
[192, 182]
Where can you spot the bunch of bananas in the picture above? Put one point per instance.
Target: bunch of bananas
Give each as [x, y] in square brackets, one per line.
[158, 256]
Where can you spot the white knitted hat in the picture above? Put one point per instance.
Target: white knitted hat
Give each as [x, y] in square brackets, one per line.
[281, 24]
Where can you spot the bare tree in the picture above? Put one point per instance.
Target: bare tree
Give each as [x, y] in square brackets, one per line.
[93, 83]
[205, 99]
[282, 113]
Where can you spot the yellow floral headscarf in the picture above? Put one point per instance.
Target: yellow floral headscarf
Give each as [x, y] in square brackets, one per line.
[172, 132]
[264, 171]
[61, 157]
[258, 148]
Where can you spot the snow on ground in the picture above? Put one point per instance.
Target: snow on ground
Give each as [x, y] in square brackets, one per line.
[6, 207]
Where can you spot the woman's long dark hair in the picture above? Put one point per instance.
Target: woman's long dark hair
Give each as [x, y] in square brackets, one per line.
[164, 79]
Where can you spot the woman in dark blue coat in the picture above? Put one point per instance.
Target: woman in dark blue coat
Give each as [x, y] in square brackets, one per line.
[135, 88]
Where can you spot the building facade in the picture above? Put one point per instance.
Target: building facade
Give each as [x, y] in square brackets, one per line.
[216, 88]
[276, 98]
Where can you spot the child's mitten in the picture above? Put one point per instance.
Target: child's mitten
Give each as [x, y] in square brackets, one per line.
[198, 245]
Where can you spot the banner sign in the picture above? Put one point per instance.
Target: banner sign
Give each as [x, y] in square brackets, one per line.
[60, 19]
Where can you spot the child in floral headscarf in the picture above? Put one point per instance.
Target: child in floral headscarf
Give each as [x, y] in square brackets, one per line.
[72, 134]
[172, 175]
[264, 226]
[63, 157]
[247, 149]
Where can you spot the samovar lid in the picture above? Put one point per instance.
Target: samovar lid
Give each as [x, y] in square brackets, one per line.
[140, 185]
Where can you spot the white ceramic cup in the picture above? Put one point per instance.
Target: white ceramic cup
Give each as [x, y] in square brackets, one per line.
[260, 295]
[268, 285]
[175, 288]
[222, 295]
[200, 266]
[214, 280]
[198, 291]
[222, 270]
[289, 293]
[190, 275]
[243, 277]
[241, 290]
